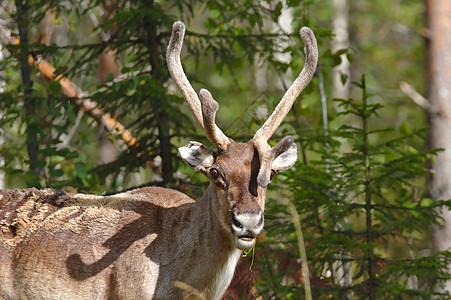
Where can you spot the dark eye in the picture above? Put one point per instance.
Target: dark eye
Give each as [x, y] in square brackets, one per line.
[272, 174]
[214, 173]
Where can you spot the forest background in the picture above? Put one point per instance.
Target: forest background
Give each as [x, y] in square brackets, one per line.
[87, 105]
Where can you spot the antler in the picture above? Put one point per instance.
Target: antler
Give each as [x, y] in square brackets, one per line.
[261, 137]
[209, 109]
[204, 111]
[177, 73]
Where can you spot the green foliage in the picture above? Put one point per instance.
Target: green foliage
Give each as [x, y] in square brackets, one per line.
[360, 192]
[137, 32]
[366, 222]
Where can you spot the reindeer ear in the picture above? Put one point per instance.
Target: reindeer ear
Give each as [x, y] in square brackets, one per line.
[285, 160]
[197, 156]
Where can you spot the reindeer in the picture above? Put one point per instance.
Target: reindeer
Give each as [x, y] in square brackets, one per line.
[139, 244]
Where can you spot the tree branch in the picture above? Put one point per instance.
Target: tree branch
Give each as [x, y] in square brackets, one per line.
[416, 97]
[71, 90]
[80, 97]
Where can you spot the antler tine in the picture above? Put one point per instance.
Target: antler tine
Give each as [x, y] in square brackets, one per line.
[262, 135]
[177, 73]
[284, 106]
[209, 109]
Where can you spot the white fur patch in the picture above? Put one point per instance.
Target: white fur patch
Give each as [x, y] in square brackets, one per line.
[286, 159]
[225, 275]
[249, 223]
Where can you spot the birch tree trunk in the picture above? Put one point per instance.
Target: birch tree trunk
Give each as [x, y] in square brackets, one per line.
[342, 269]
[439, 94]
[341, 41]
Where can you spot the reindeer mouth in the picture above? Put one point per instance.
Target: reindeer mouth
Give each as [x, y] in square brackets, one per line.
[244, 242]
[247, 237]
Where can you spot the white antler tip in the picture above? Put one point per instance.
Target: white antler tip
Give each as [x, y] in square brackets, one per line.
[306, 33]
[289, 139]
[178, 26]
[178, 32]
[175, 44]
[209, 105]
[204, 93]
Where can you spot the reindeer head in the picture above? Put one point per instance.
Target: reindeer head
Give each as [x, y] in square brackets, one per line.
[240, 172]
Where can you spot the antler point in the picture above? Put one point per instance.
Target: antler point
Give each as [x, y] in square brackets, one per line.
[204, 92]
[178, 25]
[209, 105]
[305, 33]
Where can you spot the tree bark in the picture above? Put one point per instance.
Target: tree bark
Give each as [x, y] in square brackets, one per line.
[342, 269]
[439, 94]
[167, 170]
[341, 41]
[30, 109]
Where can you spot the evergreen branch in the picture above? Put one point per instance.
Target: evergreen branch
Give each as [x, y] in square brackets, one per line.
[71, 90]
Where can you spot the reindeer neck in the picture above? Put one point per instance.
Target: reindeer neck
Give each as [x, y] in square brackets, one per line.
[210, 217]
[212, 246]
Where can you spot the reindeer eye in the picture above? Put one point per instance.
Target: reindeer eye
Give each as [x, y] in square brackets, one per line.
[214, 173]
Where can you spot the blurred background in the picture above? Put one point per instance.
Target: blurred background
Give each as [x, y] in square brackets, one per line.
[87, 105]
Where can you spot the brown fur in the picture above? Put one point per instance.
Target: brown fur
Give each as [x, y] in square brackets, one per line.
[133, 245]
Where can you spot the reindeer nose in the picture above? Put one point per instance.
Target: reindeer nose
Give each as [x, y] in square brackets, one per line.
[247, 222]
